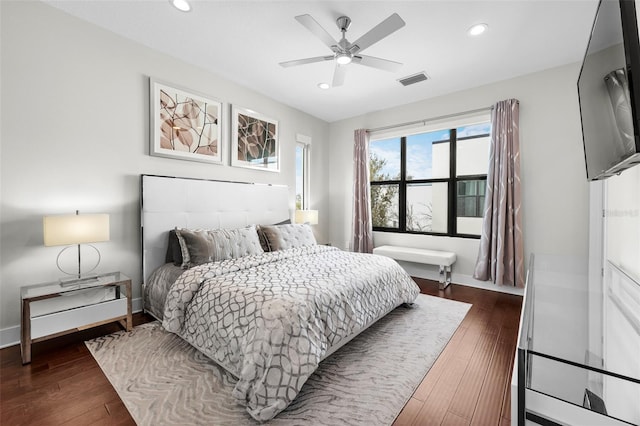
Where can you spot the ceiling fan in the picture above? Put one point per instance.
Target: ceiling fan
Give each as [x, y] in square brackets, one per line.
[345, 52]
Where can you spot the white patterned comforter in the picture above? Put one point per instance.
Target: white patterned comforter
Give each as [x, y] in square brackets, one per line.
[269, 319]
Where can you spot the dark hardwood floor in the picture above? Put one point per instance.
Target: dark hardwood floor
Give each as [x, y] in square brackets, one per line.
[467, 385]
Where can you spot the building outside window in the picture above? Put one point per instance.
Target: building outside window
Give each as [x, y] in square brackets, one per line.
[431, 182]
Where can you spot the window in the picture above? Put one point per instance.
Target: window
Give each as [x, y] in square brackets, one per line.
[302, 173]
[432, 182]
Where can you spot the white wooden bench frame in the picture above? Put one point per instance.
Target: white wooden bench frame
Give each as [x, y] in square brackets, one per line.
[443, 259]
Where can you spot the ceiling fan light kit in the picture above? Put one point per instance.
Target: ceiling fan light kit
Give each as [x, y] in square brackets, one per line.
[182, 5]
[343, 58]
[345, 52]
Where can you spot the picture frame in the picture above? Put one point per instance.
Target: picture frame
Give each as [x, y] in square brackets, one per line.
[254, 140]
[185, 124]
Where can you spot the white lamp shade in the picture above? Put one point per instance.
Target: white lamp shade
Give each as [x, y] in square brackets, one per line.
[75, 229]
[307, 216]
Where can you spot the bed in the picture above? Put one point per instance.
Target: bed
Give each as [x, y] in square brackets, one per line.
[224, 270]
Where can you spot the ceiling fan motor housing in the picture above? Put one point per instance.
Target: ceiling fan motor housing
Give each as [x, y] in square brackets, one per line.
[344, 22]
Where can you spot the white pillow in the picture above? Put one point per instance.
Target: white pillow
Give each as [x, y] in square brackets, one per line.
[212, 245]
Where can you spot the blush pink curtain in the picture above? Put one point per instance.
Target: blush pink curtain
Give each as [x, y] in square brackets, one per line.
[501, 254]
[362, 229]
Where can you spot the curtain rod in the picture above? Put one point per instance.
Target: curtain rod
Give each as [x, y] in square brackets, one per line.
[425, 120]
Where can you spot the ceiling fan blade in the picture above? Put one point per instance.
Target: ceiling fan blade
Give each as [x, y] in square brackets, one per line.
[306, 61]
[382, 64]
[391, 24]
[317, 30]
[338, 75]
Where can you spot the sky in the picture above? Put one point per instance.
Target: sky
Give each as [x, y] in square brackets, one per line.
[419, 155]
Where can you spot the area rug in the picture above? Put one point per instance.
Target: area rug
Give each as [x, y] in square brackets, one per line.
[164, 381]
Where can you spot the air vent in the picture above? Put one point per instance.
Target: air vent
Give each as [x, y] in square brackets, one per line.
[413, 79]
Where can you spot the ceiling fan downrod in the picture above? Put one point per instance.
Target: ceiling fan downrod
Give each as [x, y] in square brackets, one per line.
[343, 55]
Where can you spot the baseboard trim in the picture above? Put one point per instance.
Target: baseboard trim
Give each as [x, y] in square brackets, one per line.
[11, 336]
[432, 273]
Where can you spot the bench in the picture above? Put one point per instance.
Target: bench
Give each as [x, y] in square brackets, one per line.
[443, 259]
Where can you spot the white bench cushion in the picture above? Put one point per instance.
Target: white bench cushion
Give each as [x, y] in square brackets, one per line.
[417, 255]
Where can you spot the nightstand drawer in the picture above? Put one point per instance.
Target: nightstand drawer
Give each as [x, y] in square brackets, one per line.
[90, 296]
[62, 307]
[77, 318]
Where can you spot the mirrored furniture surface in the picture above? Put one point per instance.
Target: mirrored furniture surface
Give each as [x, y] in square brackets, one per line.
[578, 353]
[56, 308]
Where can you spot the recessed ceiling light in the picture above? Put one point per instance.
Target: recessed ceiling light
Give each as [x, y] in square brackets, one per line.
[323, 86]
[477, 29]
[182, 5]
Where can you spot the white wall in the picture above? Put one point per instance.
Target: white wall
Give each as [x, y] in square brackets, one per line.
[554, 185]
[621, 335]
[623, 221]
[75, 136]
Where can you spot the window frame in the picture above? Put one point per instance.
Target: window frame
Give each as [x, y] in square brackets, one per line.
[452, 182]
[303, 142]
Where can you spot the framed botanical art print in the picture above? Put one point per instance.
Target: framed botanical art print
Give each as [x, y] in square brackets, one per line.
[254, 140]
[184, 124]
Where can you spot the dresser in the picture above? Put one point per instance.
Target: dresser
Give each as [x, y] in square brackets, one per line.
[578, 353]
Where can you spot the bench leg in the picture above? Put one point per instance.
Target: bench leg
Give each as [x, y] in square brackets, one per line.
[445, 276]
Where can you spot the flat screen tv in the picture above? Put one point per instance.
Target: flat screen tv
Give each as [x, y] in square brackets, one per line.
[609, 90]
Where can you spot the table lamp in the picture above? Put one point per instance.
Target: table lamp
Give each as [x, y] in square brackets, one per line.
[69, 230]
[307, 216]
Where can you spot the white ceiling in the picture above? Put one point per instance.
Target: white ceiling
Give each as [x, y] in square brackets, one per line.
[244, 41]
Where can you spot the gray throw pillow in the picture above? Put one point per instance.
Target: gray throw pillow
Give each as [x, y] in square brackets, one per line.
[283, 237]
[196, 246]
[174, 251]
[263, 239]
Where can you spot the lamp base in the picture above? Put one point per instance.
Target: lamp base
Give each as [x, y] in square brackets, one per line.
[85, 279]
[78, 278]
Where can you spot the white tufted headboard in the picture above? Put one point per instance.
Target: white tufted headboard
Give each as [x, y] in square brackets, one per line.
[167, 202]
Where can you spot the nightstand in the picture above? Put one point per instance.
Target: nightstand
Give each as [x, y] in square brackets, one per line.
[53, 309]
